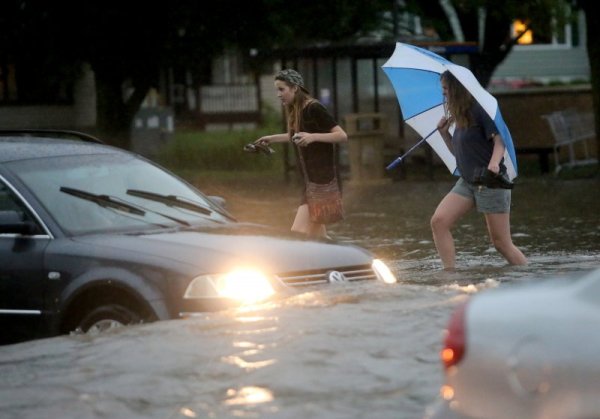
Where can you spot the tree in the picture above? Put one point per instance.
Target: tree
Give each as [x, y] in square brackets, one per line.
[128, 43]
[489, 23]
[494, 18]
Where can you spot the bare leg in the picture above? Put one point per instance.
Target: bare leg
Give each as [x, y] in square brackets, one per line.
[499, 229]
[449, 210]
[302, 224]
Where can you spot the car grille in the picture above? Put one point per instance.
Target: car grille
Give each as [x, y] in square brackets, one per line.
[321, 276]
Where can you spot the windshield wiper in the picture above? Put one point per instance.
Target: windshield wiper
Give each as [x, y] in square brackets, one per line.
[171, 200]
[103, 200]
[111, 202]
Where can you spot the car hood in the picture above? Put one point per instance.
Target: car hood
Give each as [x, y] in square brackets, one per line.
[210, 250]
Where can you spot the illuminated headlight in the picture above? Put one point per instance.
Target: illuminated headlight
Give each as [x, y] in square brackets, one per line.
[243, 285]
[383, 272]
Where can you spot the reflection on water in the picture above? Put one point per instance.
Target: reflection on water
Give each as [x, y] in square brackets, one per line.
[248, 395]
[349, 351]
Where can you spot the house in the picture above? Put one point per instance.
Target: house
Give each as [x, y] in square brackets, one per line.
[557, 59]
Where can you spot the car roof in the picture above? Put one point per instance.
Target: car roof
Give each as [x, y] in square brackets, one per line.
[19, 147]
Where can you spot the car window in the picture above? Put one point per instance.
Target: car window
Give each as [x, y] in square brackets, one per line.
[107, 178]
[9, 201]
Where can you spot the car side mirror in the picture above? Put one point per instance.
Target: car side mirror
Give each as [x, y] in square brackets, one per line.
[11, 223]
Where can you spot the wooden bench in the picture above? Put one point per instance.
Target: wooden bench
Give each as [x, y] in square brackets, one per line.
[570, 127]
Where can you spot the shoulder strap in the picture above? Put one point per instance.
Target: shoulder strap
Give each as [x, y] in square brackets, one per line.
[302, 164]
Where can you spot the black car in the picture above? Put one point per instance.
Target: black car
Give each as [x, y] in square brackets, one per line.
[92, 236]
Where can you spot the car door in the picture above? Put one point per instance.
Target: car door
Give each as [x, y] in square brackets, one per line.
[22, 276]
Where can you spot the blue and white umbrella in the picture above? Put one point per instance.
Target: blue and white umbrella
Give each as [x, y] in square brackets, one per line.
[415, 75]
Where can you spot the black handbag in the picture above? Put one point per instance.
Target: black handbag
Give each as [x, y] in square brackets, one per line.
[484, 176]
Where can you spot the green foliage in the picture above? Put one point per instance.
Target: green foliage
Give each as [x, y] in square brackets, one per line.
[130, 43]
[297, 23]
[217, 150]
[203, 157]
[494, 37]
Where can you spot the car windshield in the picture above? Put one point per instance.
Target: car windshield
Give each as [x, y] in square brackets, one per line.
[114, 192]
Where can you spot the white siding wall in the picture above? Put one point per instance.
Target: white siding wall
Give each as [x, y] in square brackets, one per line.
[548, 63]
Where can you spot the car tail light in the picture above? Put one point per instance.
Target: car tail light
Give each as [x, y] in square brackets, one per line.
[455, 340]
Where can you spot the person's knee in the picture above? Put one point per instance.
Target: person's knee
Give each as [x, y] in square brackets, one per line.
[438, 222]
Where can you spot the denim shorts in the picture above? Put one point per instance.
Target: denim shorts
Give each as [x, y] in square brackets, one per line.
[487, 200]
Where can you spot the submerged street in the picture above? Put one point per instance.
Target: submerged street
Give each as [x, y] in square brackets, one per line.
[342, 351]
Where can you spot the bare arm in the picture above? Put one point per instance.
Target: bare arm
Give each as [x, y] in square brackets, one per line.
[336, 135]
[274, 138]
[497, 154]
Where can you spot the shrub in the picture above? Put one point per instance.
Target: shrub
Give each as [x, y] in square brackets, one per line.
[218, 150]
[223, 150]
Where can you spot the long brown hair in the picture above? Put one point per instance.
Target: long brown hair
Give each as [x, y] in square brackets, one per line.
[459, 100]
[293, 111]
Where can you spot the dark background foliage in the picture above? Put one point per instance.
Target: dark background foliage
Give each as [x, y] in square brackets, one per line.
[130, 41]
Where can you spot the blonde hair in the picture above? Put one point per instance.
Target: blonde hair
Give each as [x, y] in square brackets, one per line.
[459, 100]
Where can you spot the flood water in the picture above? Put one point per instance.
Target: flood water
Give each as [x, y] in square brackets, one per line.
[349, 351]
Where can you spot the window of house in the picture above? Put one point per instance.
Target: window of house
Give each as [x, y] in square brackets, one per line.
[545, 36]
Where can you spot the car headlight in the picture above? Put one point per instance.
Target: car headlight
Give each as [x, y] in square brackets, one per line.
[243, 285]
[383, 272]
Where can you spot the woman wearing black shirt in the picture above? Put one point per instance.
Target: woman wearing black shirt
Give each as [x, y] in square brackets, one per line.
[314, 132]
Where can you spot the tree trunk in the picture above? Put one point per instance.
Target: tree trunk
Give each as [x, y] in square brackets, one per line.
[111, 122]
[114, 114]
[497, 44]
[484, 64]
[452, 16]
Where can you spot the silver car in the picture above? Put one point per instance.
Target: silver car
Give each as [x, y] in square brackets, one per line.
[525, 351]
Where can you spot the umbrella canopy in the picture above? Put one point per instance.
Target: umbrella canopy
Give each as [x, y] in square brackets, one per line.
[415, 75]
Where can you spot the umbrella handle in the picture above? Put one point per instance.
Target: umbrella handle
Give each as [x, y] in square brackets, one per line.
[410, 150]
[395, 163]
